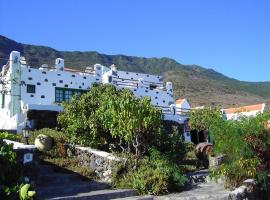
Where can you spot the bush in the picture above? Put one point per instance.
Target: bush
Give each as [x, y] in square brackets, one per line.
[10, 136]
[246, 145]
[155, 175]
[26, 193]
[10, 172]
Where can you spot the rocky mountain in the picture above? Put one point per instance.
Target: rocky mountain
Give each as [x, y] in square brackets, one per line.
[199, 85]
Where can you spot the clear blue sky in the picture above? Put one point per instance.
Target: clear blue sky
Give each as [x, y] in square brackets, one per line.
[230, 36]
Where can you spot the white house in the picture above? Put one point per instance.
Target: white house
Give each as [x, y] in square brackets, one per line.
[32, 95]
[247, 111]
[182, 105]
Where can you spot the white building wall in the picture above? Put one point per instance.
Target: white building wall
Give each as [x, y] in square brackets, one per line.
[236, 116]
[46, 82]
[183, 105]
[19, 101]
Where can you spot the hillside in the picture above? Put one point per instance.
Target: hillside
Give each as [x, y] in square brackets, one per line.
[200, 85]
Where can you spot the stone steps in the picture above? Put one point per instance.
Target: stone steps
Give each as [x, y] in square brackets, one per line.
[56, 190]
[45, 169]
[100, 195]
[70, 185]
[57, 179]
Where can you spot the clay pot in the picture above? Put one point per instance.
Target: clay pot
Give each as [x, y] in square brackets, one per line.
[43, 142]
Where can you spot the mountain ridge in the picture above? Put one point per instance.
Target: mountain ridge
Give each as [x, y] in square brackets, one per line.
[200, 85]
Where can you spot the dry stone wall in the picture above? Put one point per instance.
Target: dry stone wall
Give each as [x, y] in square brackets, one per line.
[99, 161]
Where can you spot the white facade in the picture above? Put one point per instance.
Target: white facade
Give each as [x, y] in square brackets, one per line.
[27, 89]
[182, 105]
[245, 111]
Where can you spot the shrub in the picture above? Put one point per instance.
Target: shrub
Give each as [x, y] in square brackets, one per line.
[10, 136]
[156, 175]
[25, 193]
[10, 172]
[246, 145]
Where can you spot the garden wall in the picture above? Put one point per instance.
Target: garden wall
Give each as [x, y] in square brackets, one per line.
[100, 162]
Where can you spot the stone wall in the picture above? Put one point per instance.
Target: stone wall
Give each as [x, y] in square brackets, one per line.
[99, 161]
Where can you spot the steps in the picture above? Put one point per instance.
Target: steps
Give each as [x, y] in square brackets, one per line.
[101, 195]
[67, 186]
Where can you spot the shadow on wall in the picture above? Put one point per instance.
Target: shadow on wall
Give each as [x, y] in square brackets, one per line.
[42, 119]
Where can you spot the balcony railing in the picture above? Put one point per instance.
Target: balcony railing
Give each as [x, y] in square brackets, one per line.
[173, 111]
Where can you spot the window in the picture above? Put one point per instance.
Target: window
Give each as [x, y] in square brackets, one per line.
[3, 100]
[30, 88]
[59, 95]
[68, 95]
[65, 94]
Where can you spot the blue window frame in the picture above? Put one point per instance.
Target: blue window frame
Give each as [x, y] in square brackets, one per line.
[65, 94]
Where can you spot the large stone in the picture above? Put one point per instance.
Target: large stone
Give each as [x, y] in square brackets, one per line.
[239, 193]
[43, 142]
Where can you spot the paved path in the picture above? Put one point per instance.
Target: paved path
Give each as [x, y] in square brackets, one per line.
[202, 191]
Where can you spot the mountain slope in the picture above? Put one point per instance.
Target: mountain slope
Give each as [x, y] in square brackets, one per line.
[201, 86]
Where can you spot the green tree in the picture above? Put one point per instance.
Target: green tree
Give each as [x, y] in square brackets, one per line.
[134, 121]
[79, 121]
[204, 119]
[105, 115]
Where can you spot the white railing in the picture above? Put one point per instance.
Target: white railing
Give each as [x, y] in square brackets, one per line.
[173, 111]
[135, 83]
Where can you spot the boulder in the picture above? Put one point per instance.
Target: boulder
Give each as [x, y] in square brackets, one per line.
[43, 142]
